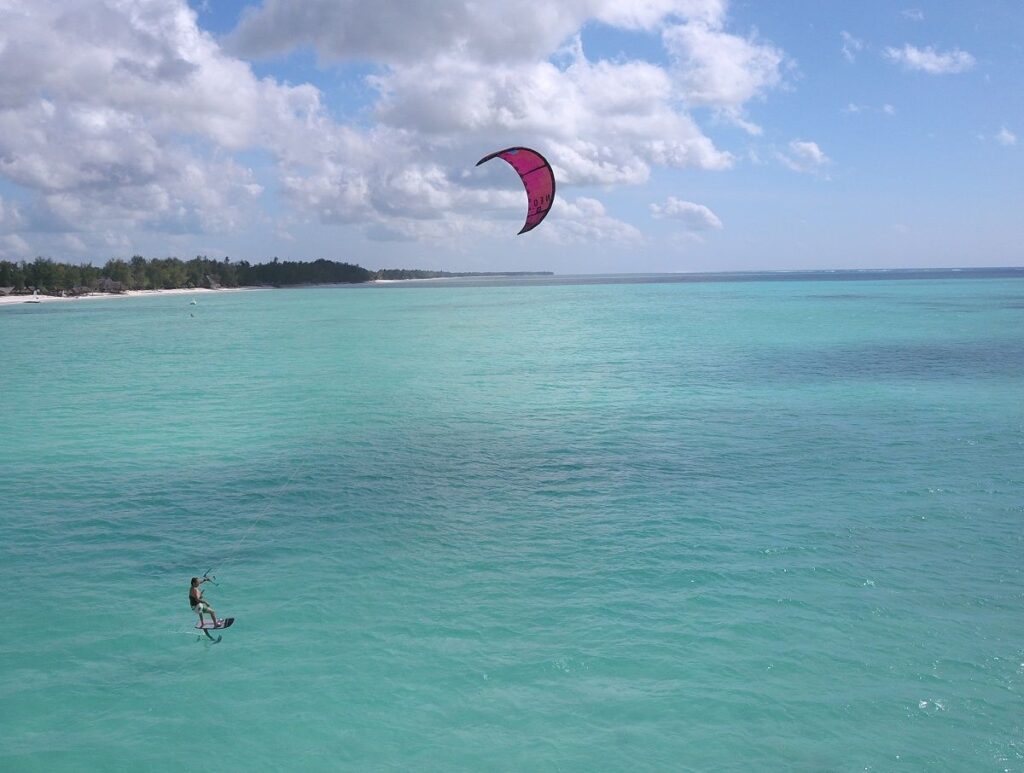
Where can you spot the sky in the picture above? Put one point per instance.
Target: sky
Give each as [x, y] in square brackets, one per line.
[685, 135]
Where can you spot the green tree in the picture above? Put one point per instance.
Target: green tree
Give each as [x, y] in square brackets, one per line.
[9, 274]
[139, 280]
[119, 271]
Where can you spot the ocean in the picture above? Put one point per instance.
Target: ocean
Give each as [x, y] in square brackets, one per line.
[752, 522]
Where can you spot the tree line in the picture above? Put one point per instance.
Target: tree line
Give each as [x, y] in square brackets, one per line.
[117, 275]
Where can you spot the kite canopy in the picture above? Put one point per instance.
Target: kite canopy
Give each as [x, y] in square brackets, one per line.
[537, 177]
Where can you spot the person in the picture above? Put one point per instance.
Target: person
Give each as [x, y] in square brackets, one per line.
[196, 601]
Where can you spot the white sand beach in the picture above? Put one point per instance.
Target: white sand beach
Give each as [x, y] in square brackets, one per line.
[11, 299]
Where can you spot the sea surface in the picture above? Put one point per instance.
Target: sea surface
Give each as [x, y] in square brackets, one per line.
[537, 524]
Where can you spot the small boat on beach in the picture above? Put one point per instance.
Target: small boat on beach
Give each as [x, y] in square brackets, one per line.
[35, 298]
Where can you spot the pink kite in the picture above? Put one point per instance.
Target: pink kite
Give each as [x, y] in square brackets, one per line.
[537, 177]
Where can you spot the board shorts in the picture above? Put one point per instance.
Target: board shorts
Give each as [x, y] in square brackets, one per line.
[201, 607]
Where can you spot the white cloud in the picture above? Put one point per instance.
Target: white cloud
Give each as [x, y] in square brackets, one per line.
[696, 217]
[647, 14]
[14, 247]
[1006, 137]
[599, 123]
[491, 31]
[914, 14]
[721, 70]
[123, 117]
[447, 230]
[931, 61]
[851, 46]
[804, 156]
[585, 220]
[10, 215]
[74, 244]
[120, 119]
[852, 108]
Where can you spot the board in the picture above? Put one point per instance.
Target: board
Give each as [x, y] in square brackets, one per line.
[205, 625]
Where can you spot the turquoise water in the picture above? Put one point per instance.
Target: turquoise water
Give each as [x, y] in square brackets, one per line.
[518, 526]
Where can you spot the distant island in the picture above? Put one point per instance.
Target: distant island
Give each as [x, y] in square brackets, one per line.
[49, 277]
[415, 273]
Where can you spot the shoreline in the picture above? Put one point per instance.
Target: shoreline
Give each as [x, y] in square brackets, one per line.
[7, 300]
[986, 272]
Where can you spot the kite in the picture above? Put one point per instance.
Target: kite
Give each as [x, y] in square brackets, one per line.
[537, 177]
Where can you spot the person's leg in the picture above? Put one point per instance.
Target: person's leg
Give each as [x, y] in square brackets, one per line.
[203, 608]
[213, 615]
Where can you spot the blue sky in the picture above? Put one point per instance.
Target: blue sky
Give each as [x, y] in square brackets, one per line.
[686, 135]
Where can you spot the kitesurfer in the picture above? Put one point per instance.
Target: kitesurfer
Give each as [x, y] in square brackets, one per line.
[195, 600]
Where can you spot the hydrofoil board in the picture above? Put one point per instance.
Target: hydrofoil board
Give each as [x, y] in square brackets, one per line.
[206, 625]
